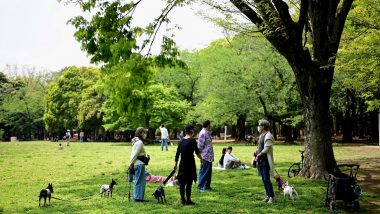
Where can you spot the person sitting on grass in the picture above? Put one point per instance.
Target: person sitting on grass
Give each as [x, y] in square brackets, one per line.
[230, 161]
[221, 161]
[153, 178]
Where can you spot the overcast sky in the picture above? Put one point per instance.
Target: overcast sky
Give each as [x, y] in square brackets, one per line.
[35, 33]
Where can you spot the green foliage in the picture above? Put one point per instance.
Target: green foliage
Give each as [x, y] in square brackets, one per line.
[241, 76]
[128, 77]
[186, 79]
[67, 99]
[108, 36]
[21, 109]
[358, 62]
[160, 104]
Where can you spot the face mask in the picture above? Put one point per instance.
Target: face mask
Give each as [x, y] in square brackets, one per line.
[259, 129]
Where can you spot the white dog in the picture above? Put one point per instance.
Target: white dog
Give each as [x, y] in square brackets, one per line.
[173, 181]
[106, 189]
[289, 190]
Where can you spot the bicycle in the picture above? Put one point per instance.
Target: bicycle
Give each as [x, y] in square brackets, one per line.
[295, 168]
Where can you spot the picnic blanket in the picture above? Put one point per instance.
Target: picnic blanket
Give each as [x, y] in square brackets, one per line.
[241, 167]
[154, 178]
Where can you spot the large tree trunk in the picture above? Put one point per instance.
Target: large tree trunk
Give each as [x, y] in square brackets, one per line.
[347, 126]
[361, 121]
[151, 132]
[374, 124]
[315, 93]
[287, 132]
[240, 127]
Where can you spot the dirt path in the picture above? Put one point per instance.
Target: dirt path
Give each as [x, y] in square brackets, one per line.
[369, 181]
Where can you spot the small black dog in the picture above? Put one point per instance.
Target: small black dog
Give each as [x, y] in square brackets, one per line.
[159, 193]
[107, 189]
[46, 193]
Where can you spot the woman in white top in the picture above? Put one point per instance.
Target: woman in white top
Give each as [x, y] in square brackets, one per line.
[138, 165]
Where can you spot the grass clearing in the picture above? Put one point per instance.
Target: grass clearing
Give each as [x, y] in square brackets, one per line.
[78, 171]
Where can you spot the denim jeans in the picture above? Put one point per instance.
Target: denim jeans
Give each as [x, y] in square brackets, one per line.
[139, 188]
[205, 172]
[164, 142]
[264, 171]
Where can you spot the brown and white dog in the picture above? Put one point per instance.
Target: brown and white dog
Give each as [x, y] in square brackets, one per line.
[289, 190]
[280, 183]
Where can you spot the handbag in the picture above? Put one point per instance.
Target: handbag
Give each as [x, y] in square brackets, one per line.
[131, 170]
[144, 159]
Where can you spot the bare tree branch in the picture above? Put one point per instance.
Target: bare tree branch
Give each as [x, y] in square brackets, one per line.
[157, 24]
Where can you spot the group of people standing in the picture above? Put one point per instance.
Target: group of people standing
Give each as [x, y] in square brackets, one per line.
[203, 149]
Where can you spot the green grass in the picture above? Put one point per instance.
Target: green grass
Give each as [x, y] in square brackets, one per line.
[78, 171]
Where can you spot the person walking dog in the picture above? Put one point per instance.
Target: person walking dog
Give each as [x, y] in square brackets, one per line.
[137, 164]
[264, 158]
[187, 172]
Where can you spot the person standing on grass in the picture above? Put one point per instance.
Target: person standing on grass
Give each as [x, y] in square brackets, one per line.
[207, 153]
[264, 158]
[81, 136]
[187, 172]
[164, 137]
[138, 165]
[68, 136]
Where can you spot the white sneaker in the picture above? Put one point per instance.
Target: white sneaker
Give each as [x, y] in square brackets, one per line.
[266, 199]
[270, 201]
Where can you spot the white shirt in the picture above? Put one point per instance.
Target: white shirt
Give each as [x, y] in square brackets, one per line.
[164, 133]
[137, 150]
[228, 158]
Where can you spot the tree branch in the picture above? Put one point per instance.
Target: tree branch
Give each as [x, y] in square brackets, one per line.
[301, 21]
[248, 11]
[341, 17]
[332, 10]
[283, 11]
[157, 25]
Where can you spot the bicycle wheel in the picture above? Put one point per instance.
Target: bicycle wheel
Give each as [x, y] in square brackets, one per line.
[294, 169]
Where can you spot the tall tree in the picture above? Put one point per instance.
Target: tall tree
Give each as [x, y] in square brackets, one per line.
[242, 80]
[358, 65]
[64, 99]
[21, 103]
[312, 63]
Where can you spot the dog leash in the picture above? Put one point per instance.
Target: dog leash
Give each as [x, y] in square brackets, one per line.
[81, 199]
[277, 173]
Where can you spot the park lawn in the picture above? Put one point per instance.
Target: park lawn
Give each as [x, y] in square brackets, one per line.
[78, 171]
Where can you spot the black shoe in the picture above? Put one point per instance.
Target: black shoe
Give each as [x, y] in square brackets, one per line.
[183, 202]
[190, 203]
[138, 200]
